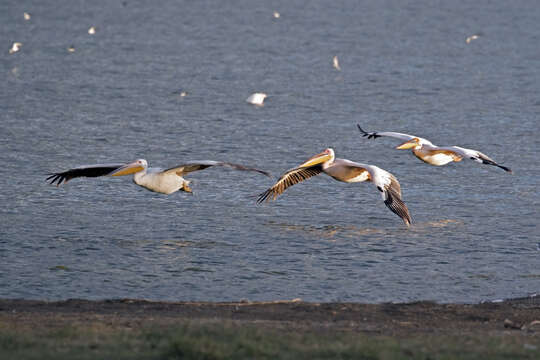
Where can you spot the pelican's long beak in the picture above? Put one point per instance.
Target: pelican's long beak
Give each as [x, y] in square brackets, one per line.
[128, 169]
[317, 159]
[407, 145]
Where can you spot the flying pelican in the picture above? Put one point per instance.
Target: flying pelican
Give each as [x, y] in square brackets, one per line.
[433, 154]
[162, 181]
[345, 171]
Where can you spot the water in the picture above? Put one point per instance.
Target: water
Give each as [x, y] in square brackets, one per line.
[405, 67]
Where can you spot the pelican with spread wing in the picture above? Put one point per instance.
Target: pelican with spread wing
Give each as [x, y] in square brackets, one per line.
[162, 181]
[345, 171]
[433, 154]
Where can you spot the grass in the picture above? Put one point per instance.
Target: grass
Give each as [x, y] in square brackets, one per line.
[226, 340]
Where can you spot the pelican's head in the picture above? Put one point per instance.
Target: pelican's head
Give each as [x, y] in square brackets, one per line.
[326, 156]
[131, 168]
[414, 143]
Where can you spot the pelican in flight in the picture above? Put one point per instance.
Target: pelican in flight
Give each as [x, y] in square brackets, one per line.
[345, 171]
[433, 154]
[162, 181]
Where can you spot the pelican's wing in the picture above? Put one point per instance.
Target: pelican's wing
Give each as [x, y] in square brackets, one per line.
[376, 134]
[389, 186]
[475, 156]
[183, 169]
[289, 178]
[83, 171]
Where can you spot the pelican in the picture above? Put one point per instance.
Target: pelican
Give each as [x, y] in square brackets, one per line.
[345, 171]
[433, 154]
[158, 180]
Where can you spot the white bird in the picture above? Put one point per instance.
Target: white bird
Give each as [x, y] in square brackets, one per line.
[257, 99]
[92, 30]
[345, 171]
[432, 154]
[276, 15]
[27, 16]
[15, 47]
[162, 181]
[335, 62]
[471, 38]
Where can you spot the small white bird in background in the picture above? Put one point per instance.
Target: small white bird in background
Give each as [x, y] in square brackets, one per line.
[92, 30]
[257, 99]
[471, 38]
[15, 47]
[276, 15]
[71, 49]
[26, 16]
[336, 63]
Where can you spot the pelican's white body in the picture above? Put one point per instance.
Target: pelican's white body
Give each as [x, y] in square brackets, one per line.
[341, 169]
[427, 154]
[154, 179]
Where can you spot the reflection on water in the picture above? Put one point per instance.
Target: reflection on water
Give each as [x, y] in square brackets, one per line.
[333, 231]
[325, 231]
[442, 223]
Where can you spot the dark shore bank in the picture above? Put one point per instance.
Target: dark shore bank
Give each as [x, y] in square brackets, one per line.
[129, 328]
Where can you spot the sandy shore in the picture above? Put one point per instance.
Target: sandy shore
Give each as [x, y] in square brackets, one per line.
[405, 319]
[138, 329]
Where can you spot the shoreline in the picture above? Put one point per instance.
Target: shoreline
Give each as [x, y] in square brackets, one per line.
[277, 329]
[385, 318]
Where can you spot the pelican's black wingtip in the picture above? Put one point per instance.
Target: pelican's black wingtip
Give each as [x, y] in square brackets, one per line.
[364, 133]
[508, 170]
[266, 173]
[369, 135]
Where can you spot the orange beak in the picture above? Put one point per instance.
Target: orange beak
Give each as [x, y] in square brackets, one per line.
[127, 169]
[317, 159]
[408, 145]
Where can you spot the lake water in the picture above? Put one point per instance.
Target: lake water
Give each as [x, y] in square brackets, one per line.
[405, 67]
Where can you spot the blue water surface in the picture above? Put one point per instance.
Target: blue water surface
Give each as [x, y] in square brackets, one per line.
[405, 67]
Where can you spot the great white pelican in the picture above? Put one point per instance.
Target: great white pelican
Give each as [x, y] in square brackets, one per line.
[345, 171]
[433, 154]
[162, 181]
